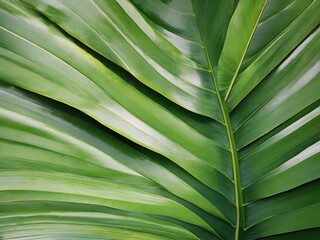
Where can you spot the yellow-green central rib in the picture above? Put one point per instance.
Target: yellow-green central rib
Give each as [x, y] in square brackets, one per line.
[236, 171]
[240, 224]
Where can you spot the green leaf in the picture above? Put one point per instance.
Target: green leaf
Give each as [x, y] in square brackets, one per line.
[240, 32]
[159, 119]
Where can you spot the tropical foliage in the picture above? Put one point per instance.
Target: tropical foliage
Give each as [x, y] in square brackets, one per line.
[159, 119]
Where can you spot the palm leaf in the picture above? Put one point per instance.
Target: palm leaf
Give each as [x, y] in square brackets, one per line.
[160, 119]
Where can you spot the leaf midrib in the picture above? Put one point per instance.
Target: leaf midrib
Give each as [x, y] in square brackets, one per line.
[240, 221]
